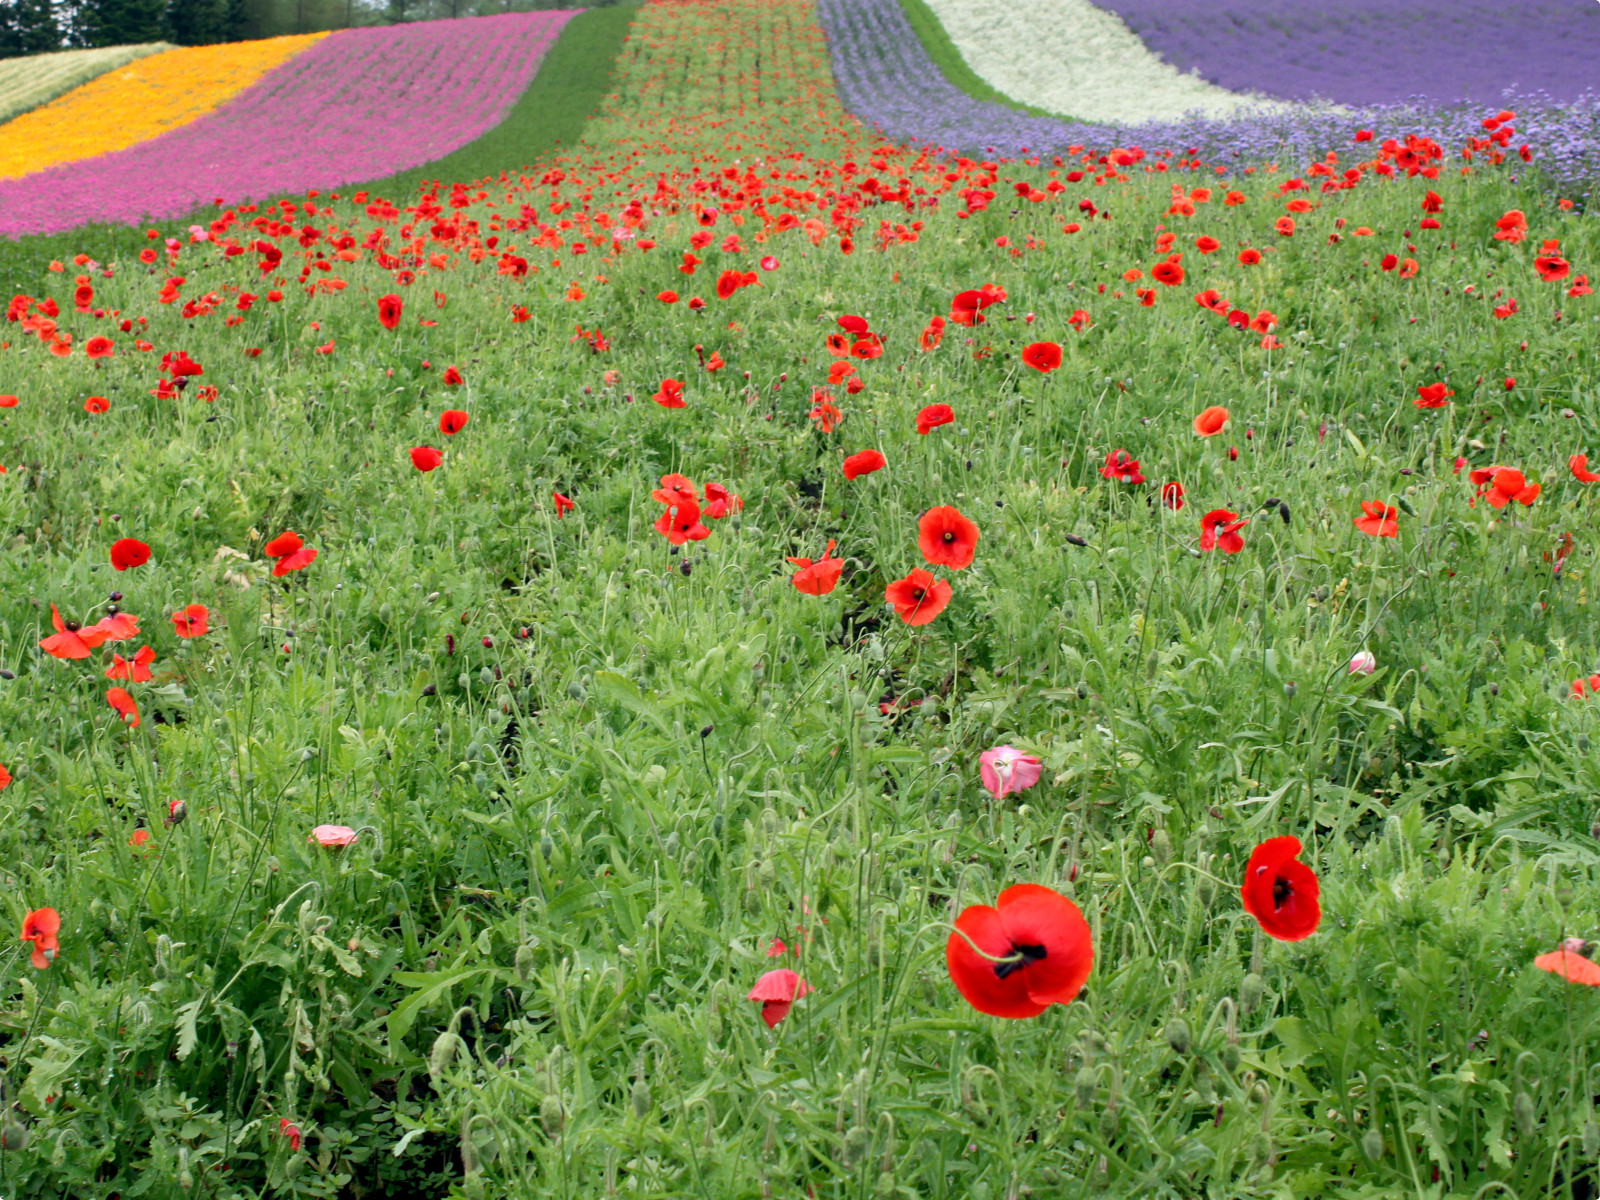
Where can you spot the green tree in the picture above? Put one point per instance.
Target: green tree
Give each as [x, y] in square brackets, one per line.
[197, 22]
[121, 22]
[28, 27]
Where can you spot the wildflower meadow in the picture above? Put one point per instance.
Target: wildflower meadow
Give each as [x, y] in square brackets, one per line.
[665, 605]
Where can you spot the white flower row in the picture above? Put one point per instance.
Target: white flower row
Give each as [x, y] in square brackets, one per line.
[1073, 58]
[26, 83]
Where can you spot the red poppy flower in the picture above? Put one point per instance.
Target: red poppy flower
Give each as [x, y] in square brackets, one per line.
[1284, 226]
[1378, 519]
[136, 668]
[1211, 421]
[1042, 356]
[389, 310]
[96, 404]
[1207, 244]
[5, 779]
[99, 347]
[1172, 495]
[1432, 395]
[192, 621]
[1249, 258]
[966, 308]
[1579, 463]
[946, 538]
[870, 346]
[934, 416]
[919, 597]
[820, 577]
[1552, 268]
[128, 552]
[71, 640]
[425, 458]
[1212, 299]
[1505, 484]
[1432, 202]
[932, 334]
[1219, 527]
[865, 462]
[1030, 950]
[675, 489]
[720, 501]
[452, 421]
[1570, 964]
[853, 324]
[563, 505]
[776, 992]
[680, 523]
[41, 927]
[1169, 273]
[8, 401]
[1121, 467]
[1580, 287]
[1080, 319]
[728, 283]
[1280, 891]
[120, 700]
[292, 554]
[671, 394]
[825, 413]
[452, 377]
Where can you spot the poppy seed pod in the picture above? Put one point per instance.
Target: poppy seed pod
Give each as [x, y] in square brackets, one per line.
[1251, 989]
[551, 1116]
[1178, 1035]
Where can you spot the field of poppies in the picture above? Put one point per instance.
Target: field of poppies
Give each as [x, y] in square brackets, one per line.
[750, 658]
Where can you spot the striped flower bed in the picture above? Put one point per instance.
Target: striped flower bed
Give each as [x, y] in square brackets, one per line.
[361, 104]
[26, 83]
[138, 102]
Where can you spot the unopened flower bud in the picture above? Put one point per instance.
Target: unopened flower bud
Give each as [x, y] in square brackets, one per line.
[642, 1100]
[1372, 1144]
[1289, 689]
[1161, 847]
[14, 1136]
[1229, 1057]
[856, 1143]
[1591, 1140]
[1250, 992]
[1083, 1087]
[525, 962]
[551, 1116]
[1527, 1116]
[1178, 1035]
[445, 1048]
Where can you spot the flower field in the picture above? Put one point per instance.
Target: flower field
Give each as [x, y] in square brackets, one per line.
[312, 123]
[752, 657]
[141, 100]
[29, 82]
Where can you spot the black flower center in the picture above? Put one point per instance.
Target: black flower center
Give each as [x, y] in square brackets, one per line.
[1020, 957]
[1281, 891]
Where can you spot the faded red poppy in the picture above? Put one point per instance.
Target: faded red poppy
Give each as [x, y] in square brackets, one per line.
[1211, 421]
[292, 554]
[919, 597]
[1030, 950]
[1280, 891]
[120, 700]
[452, 421]
[1172, 495]
[1579, 464]
[451, 377]
[865, 462]
[96, 404]
[99, 347]
[136, 668]
[820, 577]
[389, 310]
[128, 552]
[934, 416]
[563, 505]
[42, 927]
[1378, 519]
[1122, 467]
[776, 992]
[191, 621]
[425, 458]
[1220, 528]
[671, 394]
[1433, 395]
[1571, 962]
[946, 538]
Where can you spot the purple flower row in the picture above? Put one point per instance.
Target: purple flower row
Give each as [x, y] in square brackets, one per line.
[359, 105]
[1376, 51]
[885, 77]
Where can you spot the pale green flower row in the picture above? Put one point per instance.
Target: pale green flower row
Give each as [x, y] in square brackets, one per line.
[26, 83]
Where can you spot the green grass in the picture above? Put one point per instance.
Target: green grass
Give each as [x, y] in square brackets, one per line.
[936, 41]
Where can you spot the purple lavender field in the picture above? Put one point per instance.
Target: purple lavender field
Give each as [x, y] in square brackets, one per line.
[1375, 52]
[885, 77]
[359, 105]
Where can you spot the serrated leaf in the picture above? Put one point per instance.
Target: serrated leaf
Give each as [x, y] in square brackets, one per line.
[188, 1027]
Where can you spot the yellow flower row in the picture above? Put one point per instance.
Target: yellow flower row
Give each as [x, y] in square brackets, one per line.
[138, 102]
[39, 78]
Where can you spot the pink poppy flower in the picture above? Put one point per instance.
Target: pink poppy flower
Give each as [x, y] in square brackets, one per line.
[1005, 769]
[776, 991]
[332, 836]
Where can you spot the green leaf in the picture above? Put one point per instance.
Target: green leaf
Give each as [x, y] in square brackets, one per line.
[433, 987]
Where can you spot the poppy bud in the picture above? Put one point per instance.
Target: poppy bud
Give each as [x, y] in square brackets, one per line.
[1289, 689]
[768, 873]
[1083, 1087]
[464, 681]
[450, 643]
[1406, 506]
[1161, 847]
[886, 1188]
[856, 1143]
[485, 676]
[1075, 540]
[752, 902]
[551, 1116]
[14, 1136]
[1527, 1116]
[547, 847]
[430, 689]
[1178, 1035]
[1582, 740]
[7, 674]
[1283, 511]
[524, 961]
[706, 732]
[1372, 1144]
[1100, 1177]
[177, 810]
[1591, 1140]
[642, 1100]
[1251, 988]
[445, 1048]
[488, 643]
[1110, 1118]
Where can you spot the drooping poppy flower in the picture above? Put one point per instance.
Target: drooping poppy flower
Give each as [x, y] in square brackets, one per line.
[1280, 891]
[99, 347]
[1579, 465]
[946, 538]
[563, 505]
[934, 416]
[1172, 495]
[127, 553]
[120, 700]
[1030, 950]
[865, 462]
[1122, 467]
[932, 334]
[1211, 421]
[191, 621]
[1042, 356]
[96, 404]
[1005, 769]
[332, 836]
[776, 992]
[1219, 527]
[919, 597]
[1363, 662]
[425, 458]
[1433, 395]
[452, 421]
[1378, 519]
[720, 501]
[390, 309]
[42, 927]
[671, 394]
[1432, 202]
[136, 669]
[1571, 962]
[292, 554]
[820, 577]
[451, 377]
